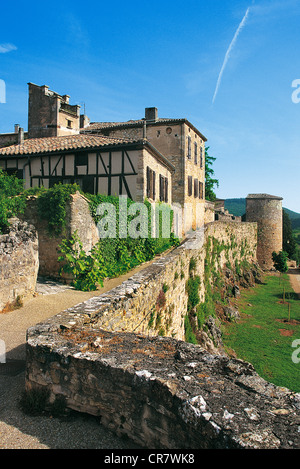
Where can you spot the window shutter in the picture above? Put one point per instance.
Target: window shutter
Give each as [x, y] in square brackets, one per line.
[153, 185]
[190, 185]
[166, 189]
[160, 188]
[148, 182]
[189, 148]
[196, 187]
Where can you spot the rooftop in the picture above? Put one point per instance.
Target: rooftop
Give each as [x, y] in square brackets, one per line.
[263, 196]
[71, 142]
[98, 126]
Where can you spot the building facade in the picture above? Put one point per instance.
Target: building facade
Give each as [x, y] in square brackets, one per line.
[155, 158]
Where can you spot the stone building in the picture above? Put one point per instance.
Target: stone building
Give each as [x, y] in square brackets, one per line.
[158, 158]
[266, 211]
[182, 144]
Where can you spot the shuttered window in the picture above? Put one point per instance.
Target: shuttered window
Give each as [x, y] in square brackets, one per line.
[196, 188]
[189, 155]
[190, 185]
[150, 183]
[201, 194]
[163, 188]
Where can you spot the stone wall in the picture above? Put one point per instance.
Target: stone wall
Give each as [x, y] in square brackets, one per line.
[209, 212]
[159, 392]
[240, 240]
[18, 264]
[106, 357]
[78, 218]
[154, 300]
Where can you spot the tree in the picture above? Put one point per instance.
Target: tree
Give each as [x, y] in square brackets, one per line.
[280, 261]
[210, 182]
[289, 241]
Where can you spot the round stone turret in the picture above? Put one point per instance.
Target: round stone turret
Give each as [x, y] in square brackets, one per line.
[266, 211]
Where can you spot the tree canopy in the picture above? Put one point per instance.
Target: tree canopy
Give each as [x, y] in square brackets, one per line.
[210, 182]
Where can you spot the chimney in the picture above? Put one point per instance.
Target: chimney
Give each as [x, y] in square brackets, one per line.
[21, 136]
[17, 126]
[151, 114]
[84, 121]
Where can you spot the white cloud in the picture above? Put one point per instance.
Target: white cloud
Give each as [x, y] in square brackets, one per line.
[7, 48]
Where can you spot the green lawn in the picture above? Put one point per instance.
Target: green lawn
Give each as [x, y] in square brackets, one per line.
[264, 336]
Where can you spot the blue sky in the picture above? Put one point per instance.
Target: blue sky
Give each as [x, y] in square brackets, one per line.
[120, 57]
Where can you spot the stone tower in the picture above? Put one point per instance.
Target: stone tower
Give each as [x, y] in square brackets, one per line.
[266, 211]
[51, 115]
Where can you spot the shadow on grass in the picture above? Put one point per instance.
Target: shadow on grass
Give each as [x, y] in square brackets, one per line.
[288, 296]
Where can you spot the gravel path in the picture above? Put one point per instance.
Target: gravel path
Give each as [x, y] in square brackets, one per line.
[20, 431]
[294, 275]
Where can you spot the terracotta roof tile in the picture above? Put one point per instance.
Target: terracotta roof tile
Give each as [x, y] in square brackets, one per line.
[53, 144]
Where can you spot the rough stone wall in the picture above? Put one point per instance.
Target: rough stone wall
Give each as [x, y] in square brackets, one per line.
[106, 357]
[9, 139]
[78, 218]
[18, 264]
[240, 238]
[152, 302]
[161, 393]
[267, 212]
[209, 212]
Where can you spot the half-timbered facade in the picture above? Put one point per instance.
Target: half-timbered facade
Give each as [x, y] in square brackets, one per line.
[112, 166]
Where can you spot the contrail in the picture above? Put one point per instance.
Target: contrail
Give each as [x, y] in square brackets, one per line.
[242, 24]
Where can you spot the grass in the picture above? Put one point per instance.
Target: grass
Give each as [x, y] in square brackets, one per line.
[264, 335]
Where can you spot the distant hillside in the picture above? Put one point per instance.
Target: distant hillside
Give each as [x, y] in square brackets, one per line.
[238, 207]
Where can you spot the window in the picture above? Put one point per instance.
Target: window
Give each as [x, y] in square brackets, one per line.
[69, 124]
[190, 185]
[81, 159]
[201, 157]
[163, 188]
[201, 194]
[196, 188]
[196, 152]
[189, 148]
[150, 183]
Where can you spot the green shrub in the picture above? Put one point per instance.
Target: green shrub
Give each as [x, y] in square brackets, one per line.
[11, 203]
[189, 334]
[52, 206]
[192, 288]
[87, 270]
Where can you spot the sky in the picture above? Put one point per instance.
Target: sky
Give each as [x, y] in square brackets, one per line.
[232, 68]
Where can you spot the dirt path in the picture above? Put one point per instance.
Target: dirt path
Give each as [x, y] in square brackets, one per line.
[294, 275]
[19, 431]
